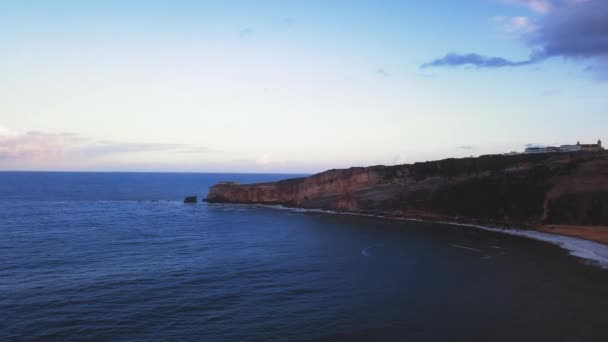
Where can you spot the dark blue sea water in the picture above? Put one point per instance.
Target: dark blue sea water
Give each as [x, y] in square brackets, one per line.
[117, 256]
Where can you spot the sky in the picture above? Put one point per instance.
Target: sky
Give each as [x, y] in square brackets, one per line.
[294, 86]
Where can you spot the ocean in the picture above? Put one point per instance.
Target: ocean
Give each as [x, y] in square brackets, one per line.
[119, 257]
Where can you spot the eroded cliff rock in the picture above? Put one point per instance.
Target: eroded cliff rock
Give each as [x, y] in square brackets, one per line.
[529, 190]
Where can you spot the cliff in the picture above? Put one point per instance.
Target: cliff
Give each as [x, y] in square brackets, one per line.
[522, 190]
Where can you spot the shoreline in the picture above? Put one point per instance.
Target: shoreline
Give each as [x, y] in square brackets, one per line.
[597, 234]
[593, 250]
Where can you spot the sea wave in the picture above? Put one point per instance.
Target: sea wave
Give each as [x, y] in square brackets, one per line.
[365, 251]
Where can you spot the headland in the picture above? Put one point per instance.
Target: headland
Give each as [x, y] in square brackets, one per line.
[561, 193]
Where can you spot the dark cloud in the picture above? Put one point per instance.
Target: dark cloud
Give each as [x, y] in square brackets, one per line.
[574, 29]
[454, 59]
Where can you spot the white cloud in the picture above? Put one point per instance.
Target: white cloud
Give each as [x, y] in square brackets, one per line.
[518, 24]
[539, 6]
[264, 160]
[522, 24]
[36, 145]
[51, 146]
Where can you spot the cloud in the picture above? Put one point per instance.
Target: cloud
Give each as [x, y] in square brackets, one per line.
[540, 6]
[572, 29]
[465, 147]
[288, 21]
[34, 145]
[264, 160]
[600, 70]
[454, 59]
[516, 25]
[110, 147]
[246, 33]
[576, 28]
[382, 72]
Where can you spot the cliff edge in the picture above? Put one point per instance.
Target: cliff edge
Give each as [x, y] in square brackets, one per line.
[555, 191]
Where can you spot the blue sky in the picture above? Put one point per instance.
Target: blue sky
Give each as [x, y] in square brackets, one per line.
[286, 86]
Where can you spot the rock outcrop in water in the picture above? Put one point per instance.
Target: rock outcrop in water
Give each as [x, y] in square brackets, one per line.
[191, 200]
[520, 190]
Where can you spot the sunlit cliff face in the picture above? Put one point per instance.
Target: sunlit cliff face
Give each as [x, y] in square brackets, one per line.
[525, 190]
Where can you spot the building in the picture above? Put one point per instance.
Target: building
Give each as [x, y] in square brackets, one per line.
[530, 150]
[571, 148]
[548, 149]
[593, 147]
[567, 148]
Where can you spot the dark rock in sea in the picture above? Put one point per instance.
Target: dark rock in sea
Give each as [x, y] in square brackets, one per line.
[191, 199]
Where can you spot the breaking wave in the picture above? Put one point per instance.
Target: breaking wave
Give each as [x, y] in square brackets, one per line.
[365, 251]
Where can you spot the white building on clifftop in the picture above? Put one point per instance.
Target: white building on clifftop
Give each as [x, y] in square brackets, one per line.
[567, 148]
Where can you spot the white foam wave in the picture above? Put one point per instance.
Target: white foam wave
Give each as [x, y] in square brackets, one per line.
[365, 251]
[467, 248]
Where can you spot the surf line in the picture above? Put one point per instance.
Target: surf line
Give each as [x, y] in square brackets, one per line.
[467, 248]
[595, 252]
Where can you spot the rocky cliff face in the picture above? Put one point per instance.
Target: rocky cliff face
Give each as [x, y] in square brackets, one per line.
[527, 190]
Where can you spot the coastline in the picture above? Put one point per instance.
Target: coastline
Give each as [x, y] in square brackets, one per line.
[558, 198]
[588, 244]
